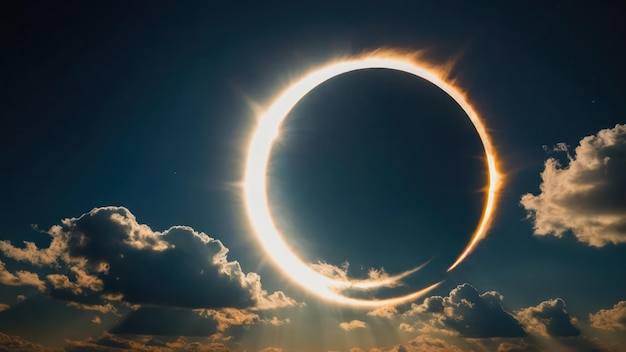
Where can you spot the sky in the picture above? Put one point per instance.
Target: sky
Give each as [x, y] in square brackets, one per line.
[126, 128]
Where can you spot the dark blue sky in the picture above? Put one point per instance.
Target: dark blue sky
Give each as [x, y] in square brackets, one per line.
[150, 105]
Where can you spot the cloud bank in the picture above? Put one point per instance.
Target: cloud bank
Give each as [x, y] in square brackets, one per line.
[586, 196]
[106, 255]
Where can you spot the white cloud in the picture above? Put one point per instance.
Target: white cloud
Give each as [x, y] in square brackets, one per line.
[610, 319]
[353, 324]
[586, 196]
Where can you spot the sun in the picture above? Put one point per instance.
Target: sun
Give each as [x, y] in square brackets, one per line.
[268, 130]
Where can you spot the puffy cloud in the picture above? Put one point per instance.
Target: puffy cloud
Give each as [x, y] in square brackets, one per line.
[275, 300]
[433, 304]
[586, 196]
[62, 282]
[20, 278]
[469, 313]
[610, 319]
[4, 306]
[548, 318]
[406, 327]
[387, 312]
[353, 324]
[108, 254]
[33, 255]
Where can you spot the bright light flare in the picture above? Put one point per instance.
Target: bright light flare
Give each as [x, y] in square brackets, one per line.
[255, 179]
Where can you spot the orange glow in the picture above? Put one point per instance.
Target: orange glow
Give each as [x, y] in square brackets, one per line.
[255, 179]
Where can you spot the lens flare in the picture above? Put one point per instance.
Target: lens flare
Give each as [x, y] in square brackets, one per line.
[255, 178]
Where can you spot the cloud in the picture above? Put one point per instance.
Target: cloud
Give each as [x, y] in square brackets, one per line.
[548, 318]
[521, 346]
[434, 304]
[107, 253]
[353, 324]
[96, 320]
[276, 322]
[4, 306]
[228, 317]
[166, 321]
[469, 313]
[516, 346]
[102, 308]
[610, 319]
[272, 349]
[431, 344]
[16, 343]
[586, 196]
[110, 342]
[424, 343]
[20, 278]
[387, 312]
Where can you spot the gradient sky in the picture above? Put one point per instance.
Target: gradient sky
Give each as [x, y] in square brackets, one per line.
[125, 131]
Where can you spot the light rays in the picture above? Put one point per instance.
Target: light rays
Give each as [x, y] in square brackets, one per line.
[255, 178]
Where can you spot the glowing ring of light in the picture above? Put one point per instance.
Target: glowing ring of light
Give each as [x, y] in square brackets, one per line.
[255, 179]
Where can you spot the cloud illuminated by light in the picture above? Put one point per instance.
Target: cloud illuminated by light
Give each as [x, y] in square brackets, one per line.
[268, 130]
